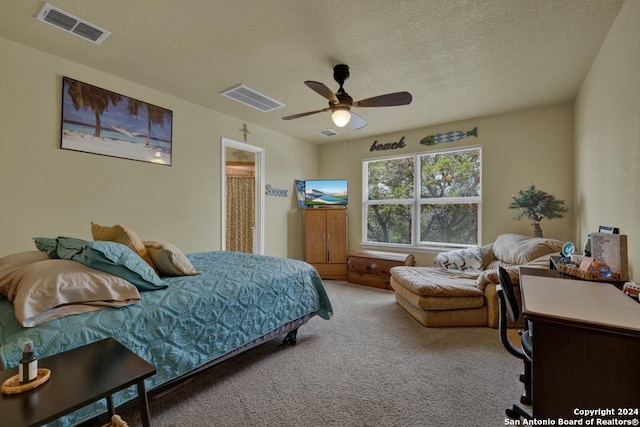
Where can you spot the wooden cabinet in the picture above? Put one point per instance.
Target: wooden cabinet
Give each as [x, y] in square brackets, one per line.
[326, 243]
[372, 268]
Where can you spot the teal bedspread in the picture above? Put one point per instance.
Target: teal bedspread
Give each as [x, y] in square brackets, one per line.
[196, 319]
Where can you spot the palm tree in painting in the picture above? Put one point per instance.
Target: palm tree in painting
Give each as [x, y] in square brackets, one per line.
[154, 115]
[86, 96]
[133, 107]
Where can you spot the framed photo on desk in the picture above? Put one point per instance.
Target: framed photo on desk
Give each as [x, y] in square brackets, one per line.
[608, 230]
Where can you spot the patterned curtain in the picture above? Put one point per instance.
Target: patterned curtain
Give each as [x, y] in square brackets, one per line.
[240, 213]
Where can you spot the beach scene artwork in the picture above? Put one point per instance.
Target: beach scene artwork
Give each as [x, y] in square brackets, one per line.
[99, 121]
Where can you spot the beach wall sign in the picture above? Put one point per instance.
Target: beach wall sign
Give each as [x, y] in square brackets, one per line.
[99, 121]
[452, 136]
[388, 146]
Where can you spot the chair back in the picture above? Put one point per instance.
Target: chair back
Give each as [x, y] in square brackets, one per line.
[513, 310]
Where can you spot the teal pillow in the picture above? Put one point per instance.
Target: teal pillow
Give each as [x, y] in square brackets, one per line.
[110, 257]
[69, 247]
[119, 260]
[60, 247]
[48, 245]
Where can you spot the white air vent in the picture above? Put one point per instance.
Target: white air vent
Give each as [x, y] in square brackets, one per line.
[247, 96]
[328, 132]
[66, 21]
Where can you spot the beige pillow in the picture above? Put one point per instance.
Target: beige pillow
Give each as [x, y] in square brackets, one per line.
[170, 260]
[516, 249]
[49, 289]
[122, 234]
[19, 259]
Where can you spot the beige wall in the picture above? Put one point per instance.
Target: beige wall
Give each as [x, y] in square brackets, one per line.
[518, 149]
[607, 127]
[46, 191]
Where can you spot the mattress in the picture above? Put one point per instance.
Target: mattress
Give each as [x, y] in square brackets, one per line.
[197, 319]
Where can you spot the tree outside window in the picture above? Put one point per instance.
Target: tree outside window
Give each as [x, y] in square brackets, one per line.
[443, 213]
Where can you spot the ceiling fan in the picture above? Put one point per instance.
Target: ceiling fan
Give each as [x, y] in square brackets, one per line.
[340, 103]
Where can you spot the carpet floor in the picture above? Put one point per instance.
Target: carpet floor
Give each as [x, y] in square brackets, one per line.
[370, 365]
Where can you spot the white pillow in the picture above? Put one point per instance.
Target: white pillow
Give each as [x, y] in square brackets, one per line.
[460, 259]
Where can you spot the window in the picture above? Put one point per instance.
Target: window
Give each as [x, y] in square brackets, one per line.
[424, 200]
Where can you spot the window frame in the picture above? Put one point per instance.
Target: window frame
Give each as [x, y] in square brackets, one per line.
[416, 202]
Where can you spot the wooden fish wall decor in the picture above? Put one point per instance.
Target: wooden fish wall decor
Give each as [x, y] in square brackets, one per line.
[452, 136]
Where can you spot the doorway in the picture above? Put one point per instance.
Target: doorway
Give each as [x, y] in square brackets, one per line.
[242, 197]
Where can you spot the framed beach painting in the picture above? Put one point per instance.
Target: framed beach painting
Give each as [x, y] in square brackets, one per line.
[99, 121]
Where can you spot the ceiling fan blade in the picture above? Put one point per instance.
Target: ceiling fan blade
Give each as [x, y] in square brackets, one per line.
[387, 100]
[357, 122]
[322, 89]
[295, 116]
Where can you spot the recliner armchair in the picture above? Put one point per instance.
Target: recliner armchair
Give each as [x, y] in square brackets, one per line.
[509, 310]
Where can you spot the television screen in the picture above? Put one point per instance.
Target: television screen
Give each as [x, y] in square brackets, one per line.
[320, 192]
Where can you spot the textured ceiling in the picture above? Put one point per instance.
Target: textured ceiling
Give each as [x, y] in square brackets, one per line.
[459, 58]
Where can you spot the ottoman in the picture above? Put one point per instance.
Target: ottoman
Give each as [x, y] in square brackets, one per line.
[439, 297]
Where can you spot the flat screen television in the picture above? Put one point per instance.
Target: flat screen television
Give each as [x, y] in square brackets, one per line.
[325, 192]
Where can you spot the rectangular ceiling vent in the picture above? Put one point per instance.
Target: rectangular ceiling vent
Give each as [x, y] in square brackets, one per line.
[254, 99]
[72, 24]
[328, 132]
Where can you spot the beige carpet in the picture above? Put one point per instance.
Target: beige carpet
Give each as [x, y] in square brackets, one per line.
[370, 365]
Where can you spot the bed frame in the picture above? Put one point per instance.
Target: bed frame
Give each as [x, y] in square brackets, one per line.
[290, 330]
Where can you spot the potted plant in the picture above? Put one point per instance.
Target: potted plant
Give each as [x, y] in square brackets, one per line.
[536, 205]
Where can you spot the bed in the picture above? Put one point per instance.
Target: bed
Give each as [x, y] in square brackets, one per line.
[228, 303]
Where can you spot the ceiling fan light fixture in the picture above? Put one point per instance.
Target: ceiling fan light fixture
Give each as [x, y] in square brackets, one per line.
[340, 103]
[341, 116]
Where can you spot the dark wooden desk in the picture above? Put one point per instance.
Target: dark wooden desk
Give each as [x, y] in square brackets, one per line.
[586, 344]
[78, 377]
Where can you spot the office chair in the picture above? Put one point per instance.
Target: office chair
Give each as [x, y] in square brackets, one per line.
[509, 310]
